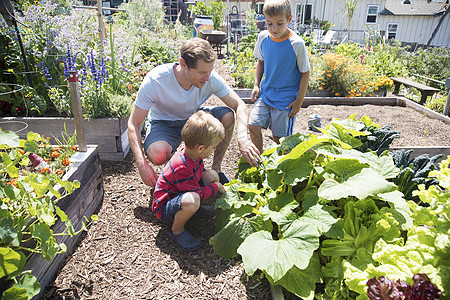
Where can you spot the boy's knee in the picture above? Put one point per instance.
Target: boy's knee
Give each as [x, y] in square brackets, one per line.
[190, 201]
[210, 176]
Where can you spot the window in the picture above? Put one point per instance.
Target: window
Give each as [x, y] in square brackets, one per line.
[392, 29]
[259, 8]
[372, 14]
[303, 13]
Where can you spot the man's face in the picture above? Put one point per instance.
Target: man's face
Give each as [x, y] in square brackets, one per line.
[200, 75]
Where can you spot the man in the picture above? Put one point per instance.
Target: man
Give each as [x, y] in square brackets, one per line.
[169, 95]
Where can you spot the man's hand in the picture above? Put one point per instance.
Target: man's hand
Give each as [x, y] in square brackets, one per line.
[255, 93]
[148, 175]
[250, 152]
[295, 107]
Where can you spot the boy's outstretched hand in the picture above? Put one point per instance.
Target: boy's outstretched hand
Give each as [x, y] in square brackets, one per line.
[221, 188]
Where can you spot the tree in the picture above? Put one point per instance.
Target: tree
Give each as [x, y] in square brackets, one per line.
[349, 9]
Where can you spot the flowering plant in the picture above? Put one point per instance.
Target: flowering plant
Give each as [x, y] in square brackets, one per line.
[29, 190]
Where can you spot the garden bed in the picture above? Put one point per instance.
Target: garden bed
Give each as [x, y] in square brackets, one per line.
[109, 134]
[127, 254]
[82, 203]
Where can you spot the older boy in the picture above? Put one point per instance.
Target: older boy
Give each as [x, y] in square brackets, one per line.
[283, 59]
[184, 184]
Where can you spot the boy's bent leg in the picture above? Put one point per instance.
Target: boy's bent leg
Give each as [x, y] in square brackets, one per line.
[210, 176]
[190, 203]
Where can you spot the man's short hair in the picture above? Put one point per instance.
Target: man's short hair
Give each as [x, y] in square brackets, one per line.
[274, 8]
[195, 49]
[202, 129]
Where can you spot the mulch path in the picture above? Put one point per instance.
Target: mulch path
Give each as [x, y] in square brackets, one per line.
[127, 254]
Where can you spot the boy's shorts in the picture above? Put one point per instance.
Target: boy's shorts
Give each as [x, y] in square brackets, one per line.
[172, 206]
[170, 131]
[267, 116]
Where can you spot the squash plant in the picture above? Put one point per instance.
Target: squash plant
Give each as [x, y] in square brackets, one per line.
[315, 211]
[28, 210]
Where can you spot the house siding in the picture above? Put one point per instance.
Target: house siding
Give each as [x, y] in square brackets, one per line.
[411, 28]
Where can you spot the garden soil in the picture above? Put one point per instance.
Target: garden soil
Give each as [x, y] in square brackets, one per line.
[127, 254]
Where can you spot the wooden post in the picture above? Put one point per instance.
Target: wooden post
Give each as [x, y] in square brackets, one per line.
[101, 25]
[447, 103]
[77, 110]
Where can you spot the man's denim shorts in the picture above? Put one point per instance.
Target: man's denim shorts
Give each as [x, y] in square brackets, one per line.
[170, 131]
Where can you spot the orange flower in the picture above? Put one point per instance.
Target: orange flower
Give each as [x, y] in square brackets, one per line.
[55, 154]
[66, 162]
[56, 148]
[45, 170]
[59, 172]
[21, 151]
[12, 182]
[74, 148]
[47, 159]
[329, 75]
[337, 94]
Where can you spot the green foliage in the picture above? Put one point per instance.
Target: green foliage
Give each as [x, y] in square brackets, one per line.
[413, 172]
[28, 210]
[215, 9]
[318, 212]
[386, 59]
[144, 14]
[120, 105]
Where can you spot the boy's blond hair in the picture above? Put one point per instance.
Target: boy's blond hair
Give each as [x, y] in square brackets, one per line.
[202, 129]
[274, 8]
[195, 49]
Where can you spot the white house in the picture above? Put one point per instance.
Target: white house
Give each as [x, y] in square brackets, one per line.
[410, 21]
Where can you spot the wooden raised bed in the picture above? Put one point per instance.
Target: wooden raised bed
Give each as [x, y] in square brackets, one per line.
[109, 134]
[389, 101]
[82, 202]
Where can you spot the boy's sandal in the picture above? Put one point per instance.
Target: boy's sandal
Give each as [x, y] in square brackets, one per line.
[185, 241]
[205, 212]
[223, 178]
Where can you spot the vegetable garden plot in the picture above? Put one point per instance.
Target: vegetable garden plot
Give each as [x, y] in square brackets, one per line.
[322, 216]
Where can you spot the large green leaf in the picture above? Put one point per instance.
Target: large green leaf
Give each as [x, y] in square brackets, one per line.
[27, 287]
[10, 261]
[302, 282]
[229, 238]
[279, 207]
[303, 147]
[276, 257]
[401, 206]
[367, 183]
[8, 234]
[345, 168]
[9, 138]
[340, 133]
[295, 170]
[322, 217]
[232, 198]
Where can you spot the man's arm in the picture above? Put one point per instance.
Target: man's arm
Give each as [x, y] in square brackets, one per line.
[137, 117]
[247, 148]
[297, 103]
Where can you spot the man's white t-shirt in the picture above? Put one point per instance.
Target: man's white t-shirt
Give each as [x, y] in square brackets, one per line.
[165, 99]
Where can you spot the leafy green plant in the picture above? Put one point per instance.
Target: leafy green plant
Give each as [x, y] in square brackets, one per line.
[214, 9]
[413, 172]
[28, 209]
[379, 140]
[315, 211]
